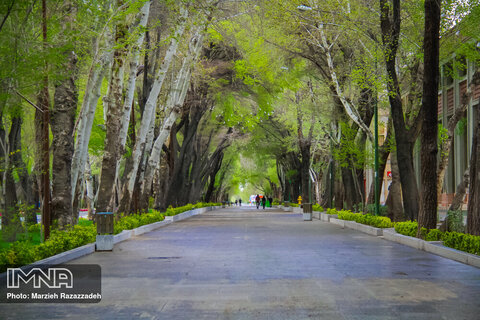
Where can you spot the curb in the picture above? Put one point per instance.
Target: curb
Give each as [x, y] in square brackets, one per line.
[122, 236]
[434, 247]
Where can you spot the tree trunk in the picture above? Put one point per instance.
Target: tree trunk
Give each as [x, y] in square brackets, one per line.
[150, 107]
[394, 198]
[113, 124]
[62, 124]
[473, 213]
[10, 219]
[403, 138]
[429, 136]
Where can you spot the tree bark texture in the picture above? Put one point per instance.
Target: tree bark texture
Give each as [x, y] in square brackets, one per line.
[114, 100]
[473, 213]
[150, 106]
[429, 134]
[62, 125]
[404, 142]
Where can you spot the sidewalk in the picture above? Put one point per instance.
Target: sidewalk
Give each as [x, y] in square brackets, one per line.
[244, 263]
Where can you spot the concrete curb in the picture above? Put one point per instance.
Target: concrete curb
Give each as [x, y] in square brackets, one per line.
[122, 236]
[338, 222]
[67, 255]
[364, 228]
[434, 247]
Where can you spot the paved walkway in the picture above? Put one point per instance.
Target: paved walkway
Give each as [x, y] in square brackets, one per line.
[243, 263]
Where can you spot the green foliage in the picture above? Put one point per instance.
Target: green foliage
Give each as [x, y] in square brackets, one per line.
[432, 234]
[317, 207]
[25, 252]
[350, 154]
[407, 228]
[383, 210]
[442, 137]
[462, 241]
[136, 220]
[332, 211]
[455, 221]
[368, 219]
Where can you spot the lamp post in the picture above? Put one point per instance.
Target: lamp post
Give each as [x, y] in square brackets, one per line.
[377, 185]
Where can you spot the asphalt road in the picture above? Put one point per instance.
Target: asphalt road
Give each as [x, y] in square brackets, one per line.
[243, 263]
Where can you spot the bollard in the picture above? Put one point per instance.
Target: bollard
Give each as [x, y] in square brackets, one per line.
[104, 240]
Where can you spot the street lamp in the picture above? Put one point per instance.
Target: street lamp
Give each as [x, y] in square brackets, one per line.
[377, 185]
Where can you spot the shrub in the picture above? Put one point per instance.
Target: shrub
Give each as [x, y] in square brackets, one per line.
[407, 228]
[368, 219]
[462, 241]
[455, 221]
[23, 252]
[317, 207]
[332, 211]
[432, 234]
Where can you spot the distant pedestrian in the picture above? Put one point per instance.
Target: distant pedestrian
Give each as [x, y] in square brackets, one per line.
[264, 202]
[236, 202]
[240, 202]
[257, 200]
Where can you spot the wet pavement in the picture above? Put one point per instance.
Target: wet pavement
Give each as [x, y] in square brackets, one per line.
[244, 263]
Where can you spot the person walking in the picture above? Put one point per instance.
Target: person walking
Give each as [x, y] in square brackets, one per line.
[240, 202]
[264, 202]
[257, 201]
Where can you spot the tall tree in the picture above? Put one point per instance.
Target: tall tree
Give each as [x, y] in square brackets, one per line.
[62, 125]
[390, 21]
[427, 217]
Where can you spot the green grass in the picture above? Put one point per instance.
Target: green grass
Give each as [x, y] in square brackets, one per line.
[31, 237]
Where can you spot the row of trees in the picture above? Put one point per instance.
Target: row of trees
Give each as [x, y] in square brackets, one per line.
[119, 96]
[158, 103]
[330, 63]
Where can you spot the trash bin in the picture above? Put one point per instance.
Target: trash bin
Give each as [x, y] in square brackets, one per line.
[104, 240]
[307, 212]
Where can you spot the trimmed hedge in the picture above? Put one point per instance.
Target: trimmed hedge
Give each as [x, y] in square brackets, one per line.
[407, 228]
[456, 240]
[461, 241]
[368, 219]
[317, 207]
[21, 253]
